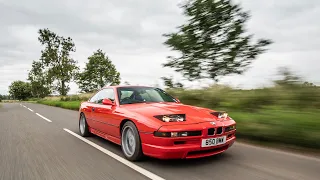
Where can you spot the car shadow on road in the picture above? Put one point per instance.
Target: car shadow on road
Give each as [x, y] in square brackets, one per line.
[183, 163]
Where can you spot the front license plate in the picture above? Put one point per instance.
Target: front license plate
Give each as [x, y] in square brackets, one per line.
[213, 141]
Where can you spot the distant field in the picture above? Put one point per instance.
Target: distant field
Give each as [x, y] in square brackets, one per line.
[79, 97]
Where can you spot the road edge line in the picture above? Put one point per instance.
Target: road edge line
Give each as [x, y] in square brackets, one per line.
[30, 109]
[43, 117]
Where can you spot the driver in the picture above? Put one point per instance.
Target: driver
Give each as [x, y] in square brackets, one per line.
[137, 96]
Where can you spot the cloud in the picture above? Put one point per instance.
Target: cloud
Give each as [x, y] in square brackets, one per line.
[130, 32]
[11, 73]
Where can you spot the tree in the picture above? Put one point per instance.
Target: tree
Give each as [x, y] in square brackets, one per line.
[39, 80]
[309, 84]
[213, 43]
[168, 82]
[56, 59]
[20, 90]
[99, 71]
[4, 97]
[288, 77]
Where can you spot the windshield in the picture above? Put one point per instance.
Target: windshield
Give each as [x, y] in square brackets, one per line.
[132, 95]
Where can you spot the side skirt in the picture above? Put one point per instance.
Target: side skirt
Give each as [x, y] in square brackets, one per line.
[105, 136]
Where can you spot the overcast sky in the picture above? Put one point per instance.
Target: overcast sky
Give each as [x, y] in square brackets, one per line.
[129, 31]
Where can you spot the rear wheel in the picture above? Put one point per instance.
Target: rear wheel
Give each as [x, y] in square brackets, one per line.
[130, 142]
[83, 126]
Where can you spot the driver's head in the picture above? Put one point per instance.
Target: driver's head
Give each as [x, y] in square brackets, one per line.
[138, 97]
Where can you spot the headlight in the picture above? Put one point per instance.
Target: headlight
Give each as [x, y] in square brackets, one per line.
[220, 114]
[172, 117]
[223, 115]
[230, 128]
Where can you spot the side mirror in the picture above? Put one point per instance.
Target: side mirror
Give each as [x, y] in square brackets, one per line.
[107, 102]
[178, 101]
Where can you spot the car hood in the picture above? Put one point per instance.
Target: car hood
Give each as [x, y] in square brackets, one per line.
[193, 114]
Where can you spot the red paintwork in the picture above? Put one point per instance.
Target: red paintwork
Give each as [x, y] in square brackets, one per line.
[107, 102]
[107, 120]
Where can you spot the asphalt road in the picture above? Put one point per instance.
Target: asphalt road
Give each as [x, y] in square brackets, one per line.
[37, 146]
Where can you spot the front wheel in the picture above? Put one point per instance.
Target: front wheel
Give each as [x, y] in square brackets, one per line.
[130, 142]
[83, 126]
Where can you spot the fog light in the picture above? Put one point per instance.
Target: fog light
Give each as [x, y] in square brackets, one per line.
[184, 134]
[162, 134]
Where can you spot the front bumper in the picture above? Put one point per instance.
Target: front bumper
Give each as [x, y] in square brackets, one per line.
[185, 147]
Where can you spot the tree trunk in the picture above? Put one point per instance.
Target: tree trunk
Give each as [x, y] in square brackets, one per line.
[63, 88]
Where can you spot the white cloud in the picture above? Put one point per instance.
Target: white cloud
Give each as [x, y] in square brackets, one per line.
[11, 73]
[130, 32]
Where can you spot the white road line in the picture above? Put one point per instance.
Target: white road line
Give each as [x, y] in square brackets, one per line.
[43, 117]
[118, 158]
[30, 109]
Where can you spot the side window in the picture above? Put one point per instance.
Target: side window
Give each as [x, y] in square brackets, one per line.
[103, 94]
[106, 94]
[95, 97]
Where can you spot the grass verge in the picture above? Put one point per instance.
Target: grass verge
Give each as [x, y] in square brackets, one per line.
[73, 105]
[9, 101]
[279, 126]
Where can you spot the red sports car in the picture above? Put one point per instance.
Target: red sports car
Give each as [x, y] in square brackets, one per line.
[148, 121]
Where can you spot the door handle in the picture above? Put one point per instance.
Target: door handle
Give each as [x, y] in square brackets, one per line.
[93, 109]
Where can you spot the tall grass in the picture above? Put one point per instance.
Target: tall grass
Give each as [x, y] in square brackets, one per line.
[293, 97]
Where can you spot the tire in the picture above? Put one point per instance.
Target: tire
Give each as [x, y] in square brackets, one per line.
[130, 142]
[84, 131]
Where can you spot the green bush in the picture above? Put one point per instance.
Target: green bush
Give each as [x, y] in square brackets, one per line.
[251, 100]
[33, 99]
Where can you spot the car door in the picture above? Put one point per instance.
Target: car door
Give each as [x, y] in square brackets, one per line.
[104, 114]
[90, 113]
